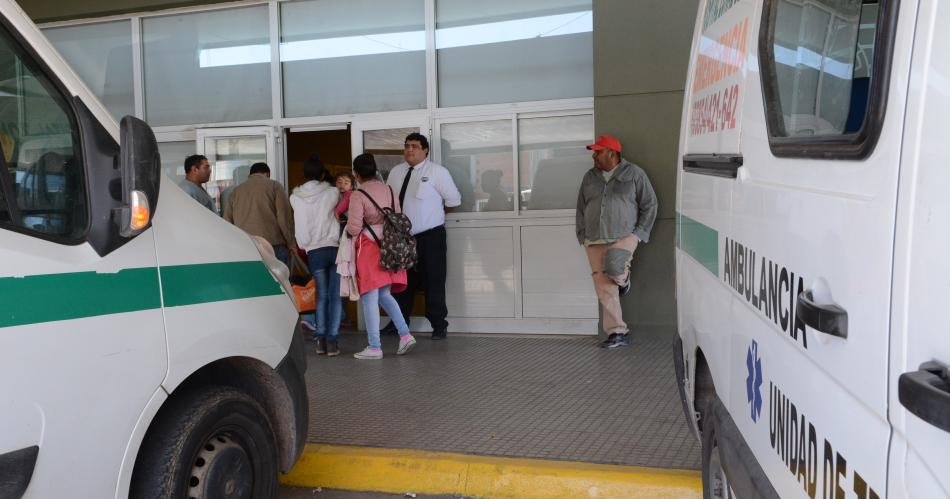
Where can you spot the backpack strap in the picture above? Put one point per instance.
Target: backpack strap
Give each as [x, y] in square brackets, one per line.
[381, 212]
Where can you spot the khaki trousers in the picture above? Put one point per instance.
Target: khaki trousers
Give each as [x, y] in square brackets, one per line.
[607, 277]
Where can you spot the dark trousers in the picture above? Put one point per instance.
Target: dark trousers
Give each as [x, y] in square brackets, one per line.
[430, 274]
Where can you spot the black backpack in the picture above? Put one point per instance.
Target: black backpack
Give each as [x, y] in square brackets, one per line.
[397, 251]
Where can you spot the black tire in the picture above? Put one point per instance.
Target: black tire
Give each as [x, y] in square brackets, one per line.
[715, 481]
[210, 443]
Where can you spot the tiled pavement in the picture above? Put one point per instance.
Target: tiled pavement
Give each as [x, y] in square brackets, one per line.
[534, 397]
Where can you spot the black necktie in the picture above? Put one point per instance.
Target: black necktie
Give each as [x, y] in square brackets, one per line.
[405, 184]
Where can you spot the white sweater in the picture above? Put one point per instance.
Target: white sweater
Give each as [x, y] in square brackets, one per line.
[315, 225]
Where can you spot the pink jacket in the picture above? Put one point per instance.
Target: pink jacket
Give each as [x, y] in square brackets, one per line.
[362, 212]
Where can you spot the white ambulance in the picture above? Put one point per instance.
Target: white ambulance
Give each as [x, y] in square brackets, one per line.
[147, 348]
[813, 248]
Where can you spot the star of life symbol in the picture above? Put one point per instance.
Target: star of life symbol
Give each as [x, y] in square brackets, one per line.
[753, 382]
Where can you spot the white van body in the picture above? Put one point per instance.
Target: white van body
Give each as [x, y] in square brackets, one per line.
[811, 262]
[102, 336]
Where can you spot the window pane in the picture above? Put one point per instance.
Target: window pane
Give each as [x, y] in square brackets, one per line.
[823, 56]
[552, 159]
[102, 56]
[480, 158]
[198, 66]
[231, 159]
[42, 184]
[173, 158]
[352, 56]
[386, 147]
[497, 51]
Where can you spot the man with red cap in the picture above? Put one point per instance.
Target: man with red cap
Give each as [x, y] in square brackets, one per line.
[616, 208]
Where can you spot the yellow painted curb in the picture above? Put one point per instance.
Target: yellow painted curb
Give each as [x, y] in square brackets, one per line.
[399, 471]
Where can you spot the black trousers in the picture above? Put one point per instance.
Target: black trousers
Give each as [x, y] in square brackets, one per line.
[429, 273]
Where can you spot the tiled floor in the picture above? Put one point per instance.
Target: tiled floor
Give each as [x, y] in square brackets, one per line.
[550, 398]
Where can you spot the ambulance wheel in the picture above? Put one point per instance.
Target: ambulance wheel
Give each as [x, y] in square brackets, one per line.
[212, 443]
[715, 481]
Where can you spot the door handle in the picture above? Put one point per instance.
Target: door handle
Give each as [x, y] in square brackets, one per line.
[829, 319]
[716, 165]
[16, 471]
[926, 393]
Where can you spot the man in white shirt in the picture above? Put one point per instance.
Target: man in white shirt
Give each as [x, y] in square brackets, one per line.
[426, 191]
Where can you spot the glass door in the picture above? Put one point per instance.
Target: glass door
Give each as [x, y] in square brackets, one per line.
[384, 140]
[231, 152]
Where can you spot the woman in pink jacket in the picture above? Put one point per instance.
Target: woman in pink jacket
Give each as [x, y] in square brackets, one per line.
[376, 284]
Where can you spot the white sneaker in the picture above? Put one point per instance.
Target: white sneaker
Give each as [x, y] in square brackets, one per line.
[405, 345]
[369, 354]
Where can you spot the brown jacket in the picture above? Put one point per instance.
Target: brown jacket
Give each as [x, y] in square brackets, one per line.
[260, 207]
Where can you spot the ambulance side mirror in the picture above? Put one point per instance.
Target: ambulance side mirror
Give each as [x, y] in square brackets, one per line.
[140, 169]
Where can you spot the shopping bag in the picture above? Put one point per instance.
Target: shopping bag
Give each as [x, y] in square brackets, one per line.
[299, 272]
[306, 296]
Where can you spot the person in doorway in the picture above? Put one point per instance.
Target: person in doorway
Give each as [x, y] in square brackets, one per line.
[616, 208]
[345, 183]
[318, 233]
[426, 190]
[374, 282]
[260, 207]
[197, 172]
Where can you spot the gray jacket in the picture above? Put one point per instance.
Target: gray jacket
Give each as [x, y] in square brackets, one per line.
[612, 210]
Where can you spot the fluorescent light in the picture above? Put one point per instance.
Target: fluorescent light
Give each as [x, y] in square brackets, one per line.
[516, 29]
[814, 60]
[350, 46]
[406, 41]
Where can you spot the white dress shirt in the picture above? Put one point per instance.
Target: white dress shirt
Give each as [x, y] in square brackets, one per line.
[430, 189]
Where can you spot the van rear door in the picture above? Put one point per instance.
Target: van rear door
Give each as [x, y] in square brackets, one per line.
[710, 155]
[809, 255]
[920, 346]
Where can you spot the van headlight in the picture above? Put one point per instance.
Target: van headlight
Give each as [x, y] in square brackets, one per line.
[275, 266]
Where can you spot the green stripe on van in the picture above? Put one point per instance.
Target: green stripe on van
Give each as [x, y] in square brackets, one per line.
[59, 297]
[210, 282]
[699, 241]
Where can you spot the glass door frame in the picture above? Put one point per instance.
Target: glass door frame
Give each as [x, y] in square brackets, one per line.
[277, 170]
[419, 119]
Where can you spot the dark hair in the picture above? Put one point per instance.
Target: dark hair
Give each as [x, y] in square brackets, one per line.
[347, 175]
[423, 141]
[193, 161]
[259, 168]
[365, 166]
[314, 169]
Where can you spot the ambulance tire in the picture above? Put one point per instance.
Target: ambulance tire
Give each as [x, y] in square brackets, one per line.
[715, 481]
[210, 443]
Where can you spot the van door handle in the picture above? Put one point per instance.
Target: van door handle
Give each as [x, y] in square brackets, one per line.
[926, 393]
[716, 165]
[16, 471]
[829, 319]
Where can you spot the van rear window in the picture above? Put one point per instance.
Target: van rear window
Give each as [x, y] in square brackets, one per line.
[821, 65]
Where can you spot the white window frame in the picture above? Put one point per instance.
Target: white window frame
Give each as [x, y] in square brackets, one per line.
[428, 119]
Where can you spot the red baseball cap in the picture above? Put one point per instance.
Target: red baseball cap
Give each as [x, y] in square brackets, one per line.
[605, 142]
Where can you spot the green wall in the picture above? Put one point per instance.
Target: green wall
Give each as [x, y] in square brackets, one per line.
[641, 51]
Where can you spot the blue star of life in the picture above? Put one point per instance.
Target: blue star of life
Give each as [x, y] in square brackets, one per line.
[753, 382]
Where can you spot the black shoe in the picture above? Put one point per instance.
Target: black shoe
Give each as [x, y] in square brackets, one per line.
[439, 335]
[321, 346]
[389, 330]
[615, 340]
[625, 287]
[333, 348]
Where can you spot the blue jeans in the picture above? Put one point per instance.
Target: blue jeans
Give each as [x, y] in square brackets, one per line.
[371, 301]
[282, 253]
[322, 263]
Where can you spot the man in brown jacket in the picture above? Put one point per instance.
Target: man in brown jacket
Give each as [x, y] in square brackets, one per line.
[260, 207]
